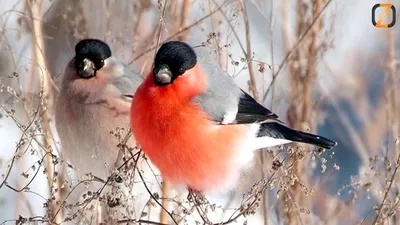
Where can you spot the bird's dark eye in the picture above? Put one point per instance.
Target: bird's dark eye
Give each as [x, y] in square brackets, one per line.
[181, 70]
[100, 64]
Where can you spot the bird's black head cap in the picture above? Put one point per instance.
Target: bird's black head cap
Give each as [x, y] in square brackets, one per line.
[89, 56]
[172, 60]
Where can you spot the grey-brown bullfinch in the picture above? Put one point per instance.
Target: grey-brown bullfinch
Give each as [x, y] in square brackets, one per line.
[91, 104]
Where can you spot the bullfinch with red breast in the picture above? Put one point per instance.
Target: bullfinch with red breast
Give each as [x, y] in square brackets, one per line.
[198, 127]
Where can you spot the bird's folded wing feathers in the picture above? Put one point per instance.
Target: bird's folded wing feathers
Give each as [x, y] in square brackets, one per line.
[128, 83]
[246, 110]
[250, 111]
[226, 103]
[127, 98]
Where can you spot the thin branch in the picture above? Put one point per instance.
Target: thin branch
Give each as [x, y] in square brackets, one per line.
[252, 85]
[160, 26]
[387, 191]
[140, 222]
[179, 32]
[184, 20]
[153, 197]
[46, 91]
[289, 53]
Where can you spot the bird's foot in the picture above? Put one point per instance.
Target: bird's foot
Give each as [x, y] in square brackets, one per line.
[196, 196]
[193, 194]
[190, 195]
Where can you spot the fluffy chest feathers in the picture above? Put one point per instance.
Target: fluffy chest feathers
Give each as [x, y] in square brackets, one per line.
[84, 124]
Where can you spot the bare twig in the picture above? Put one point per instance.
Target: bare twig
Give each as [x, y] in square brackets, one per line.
[154, 198]
[253, 86]
[289, 53]
[179, 32]
[46, 92]
[127, 221]
[184, 19]
[387, 192]
[391, 95]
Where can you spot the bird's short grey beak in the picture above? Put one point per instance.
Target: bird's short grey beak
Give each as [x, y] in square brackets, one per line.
[86, 69]
[163, 76]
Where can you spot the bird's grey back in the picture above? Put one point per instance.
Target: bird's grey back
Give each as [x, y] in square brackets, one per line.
[222, 94]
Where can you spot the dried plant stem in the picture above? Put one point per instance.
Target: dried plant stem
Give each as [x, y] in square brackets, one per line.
[128, 221]
[301, 91]
[254, 91]
[184, 20]
[293, 49]
[176, 34]
[232, 27]
[252, 85]
[161, 22]
[391, 92]
[311, 64]
[387, 192]
[293, 82]
[47, 97]
[393, 87]
[165, 189]
[218, 41]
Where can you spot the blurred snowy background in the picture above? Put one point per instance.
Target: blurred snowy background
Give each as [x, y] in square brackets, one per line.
[319, 64]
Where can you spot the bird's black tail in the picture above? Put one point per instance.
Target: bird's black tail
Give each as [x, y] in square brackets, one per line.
[280, 131]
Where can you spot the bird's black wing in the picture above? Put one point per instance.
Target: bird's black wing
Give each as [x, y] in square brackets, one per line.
[232, 105]
[250, 111]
